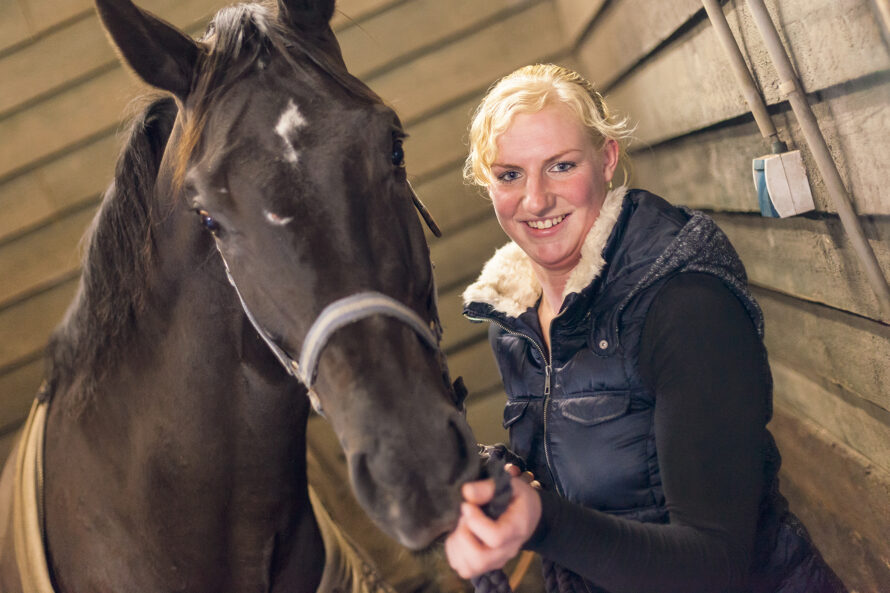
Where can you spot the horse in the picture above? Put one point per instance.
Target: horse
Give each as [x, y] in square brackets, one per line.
[257, 252]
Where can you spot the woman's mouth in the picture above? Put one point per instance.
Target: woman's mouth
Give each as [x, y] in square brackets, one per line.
[545, 223]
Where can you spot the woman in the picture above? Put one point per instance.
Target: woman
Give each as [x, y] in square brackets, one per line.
[631, 353]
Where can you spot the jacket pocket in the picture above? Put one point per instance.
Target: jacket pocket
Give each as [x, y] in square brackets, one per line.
[589, 410]
[513, 411]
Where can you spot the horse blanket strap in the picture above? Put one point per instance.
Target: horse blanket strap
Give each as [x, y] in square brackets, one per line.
[28, 532]
[336, 315]
[346, 569]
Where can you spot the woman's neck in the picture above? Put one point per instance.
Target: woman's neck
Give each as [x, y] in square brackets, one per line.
[552, 286]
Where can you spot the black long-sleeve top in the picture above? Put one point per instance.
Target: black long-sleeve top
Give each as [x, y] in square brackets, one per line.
[703, 359]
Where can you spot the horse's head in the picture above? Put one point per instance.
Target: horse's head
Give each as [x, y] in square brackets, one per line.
[295, 170]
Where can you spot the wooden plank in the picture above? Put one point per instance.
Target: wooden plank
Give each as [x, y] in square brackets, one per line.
[851, 420]
[460, 257]
[22, 20]
[411, 27]
[458, 330]
[352, 12]
[439, 142]
[841, 498]
[17, 389]
[485, 413]
[76, 178]
[809, 258]
[41, 258]
[444, 76]
[712, 169]
[476, 365]
[684, 88]
[576, 15]
[78, 49]
[55, 124]
[452, 202]
[837, 347]
[643, 24]
[26, 326]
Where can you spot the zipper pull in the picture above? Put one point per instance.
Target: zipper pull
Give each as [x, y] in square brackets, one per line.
[547, 380]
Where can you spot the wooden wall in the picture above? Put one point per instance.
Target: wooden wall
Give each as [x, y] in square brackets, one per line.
[63, 96]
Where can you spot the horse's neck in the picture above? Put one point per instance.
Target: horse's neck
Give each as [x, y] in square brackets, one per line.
[189, 465]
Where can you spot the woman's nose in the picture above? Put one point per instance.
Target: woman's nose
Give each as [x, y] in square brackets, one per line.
[538, 199]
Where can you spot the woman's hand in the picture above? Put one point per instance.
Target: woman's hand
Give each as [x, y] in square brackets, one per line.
[479, 544]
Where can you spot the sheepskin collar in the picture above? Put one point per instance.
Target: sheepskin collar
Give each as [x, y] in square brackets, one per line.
[508, 282]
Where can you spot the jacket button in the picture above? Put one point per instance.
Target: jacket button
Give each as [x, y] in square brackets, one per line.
[603, 344]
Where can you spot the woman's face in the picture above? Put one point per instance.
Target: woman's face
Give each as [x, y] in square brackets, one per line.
[550, 182]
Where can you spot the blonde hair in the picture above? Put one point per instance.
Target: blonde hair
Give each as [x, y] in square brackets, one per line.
[529, 90]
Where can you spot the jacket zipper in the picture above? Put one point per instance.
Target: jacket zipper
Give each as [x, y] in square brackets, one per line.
[548, 371]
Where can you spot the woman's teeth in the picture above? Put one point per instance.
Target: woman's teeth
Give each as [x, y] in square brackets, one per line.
[545, 224]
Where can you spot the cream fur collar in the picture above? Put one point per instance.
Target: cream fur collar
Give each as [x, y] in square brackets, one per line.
[508, 281]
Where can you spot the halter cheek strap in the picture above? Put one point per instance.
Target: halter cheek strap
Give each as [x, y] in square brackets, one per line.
[336, 315]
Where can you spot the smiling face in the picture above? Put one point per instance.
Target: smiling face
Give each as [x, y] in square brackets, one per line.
[549, 184]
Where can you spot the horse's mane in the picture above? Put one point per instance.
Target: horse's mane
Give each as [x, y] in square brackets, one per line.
[118, 256]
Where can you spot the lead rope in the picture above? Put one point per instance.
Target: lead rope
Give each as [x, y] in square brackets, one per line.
[495, 581]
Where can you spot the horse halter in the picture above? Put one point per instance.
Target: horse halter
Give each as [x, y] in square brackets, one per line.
[336, 315]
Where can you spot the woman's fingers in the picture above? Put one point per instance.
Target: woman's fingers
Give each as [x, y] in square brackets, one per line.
[478, 492]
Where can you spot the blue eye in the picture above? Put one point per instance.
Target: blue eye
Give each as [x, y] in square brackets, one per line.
[563, 166]
[398, 153]
[508, 176]
[209, 222]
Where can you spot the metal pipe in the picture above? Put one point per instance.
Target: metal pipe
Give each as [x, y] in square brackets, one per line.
[743, 75]
[790, 88]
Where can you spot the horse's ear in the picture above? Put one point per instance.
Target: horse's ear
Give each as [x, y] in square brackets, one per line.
[307, 14]
[158, 52]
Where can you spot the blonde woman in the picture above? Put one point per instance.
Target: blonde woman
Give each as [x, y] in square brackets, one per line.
[631, 353]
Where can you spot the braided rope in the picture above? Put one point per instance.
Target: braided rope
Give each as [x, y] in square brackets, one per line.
[495, 581]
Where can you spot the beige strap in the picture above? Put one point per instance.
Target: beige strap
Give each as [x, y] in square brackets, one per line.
[30, 553]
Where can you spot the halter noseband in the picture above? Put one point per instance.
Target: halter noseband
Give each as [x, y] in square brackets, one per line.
[336, 315]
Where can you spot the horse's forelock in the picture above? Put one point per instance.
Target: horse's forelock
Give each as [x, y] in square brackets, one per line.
[234, 43]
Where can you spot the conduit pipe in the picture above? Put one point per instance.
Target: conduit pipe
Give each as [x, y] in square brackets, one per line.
[790, 88]
[743, 75]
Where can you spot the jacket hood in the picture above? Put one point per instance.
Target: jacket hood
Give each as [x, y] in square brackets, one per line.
[508, 282]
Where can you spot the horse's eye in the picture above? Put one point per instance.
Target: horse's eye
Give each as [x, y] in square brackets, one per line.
[398, 153]
[209, 222]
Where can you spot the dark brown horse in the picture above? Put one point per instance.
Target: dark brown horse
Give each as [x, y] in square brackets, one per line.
[175, 452]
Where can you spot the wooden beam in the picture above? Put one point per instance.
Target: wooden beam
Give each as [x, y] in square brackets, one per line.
[26, 326]
[719, 160]
[447, 75]
[68, 182]
[682, 88]
[40, 258]
[851, 420]
[460, 257]
[390, 38]
[808, 258]
[841, 497]
[839, 348]
[644, 25]
[54, 125]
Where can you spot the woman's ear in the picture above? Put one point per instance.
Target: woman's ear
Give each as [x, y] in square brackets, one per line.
[611, 152]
